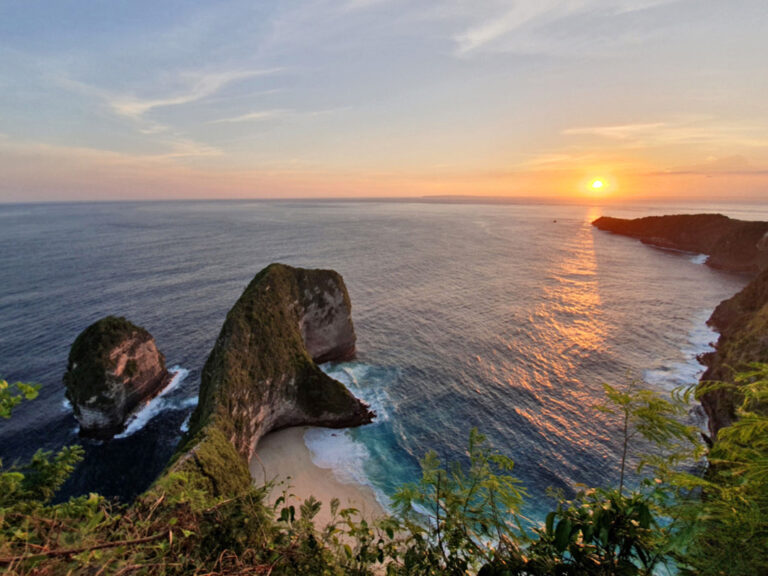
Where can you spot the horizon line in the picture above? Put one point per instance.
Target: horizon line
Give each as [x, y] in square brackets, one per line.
[424, 199]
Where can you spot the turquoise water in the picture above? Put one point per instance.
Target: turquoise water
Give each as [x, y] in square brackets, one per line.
[504, 317]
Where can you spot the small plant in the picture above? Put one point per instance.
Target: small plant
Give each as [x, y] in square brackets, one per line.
[458, 518]
[11, 395]
[600, 532]
[657, 420]
[725, 519]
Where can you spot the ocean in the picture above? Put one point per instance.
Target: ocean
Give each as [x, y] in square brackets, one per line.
[504, 317]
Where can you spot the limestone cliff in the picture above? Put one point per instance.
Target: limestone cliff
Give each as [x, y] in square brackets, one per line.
[262, 373]
[114, 367]
[742, 320]
[735, 245]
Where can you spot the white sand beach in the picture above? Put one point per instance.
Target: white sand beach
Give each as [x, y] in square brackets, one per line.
[284, 456]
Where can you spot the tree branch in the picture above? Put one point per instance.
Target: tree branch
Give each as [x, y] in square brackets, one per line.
[71, 551]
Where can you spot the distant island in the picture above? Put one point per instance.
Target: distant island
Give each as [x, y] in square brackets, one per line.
[742, 320]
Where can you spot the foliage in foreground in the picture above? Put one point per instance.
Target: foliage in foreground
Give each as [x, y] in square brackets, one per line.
[458, 519]
[728, 526]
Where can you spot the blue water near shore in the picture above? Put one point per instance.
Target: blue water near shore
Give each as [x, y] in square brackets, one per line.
[504, 317]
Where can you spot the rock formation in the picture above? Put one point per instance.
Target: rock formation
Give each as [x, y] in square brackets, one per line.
[114, 367]
[262, 373]
[735, 245]
[742, 320]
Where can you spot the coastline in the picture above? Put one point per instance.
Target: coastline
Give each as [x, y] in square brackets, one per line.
[284, 457]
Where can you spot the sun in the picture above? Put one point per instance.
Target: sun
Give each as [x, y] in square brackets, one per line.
[597, 187]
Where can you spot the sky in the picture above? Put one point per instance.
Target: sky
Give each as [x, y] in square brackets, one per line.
[118, 100]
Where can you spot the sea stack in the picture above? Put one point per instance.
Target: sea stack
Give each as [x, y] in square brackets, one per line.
[114, 368]
[262, 373]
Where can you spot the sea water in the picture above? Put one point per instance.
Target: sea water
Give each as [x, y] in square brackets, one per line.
[507, 318]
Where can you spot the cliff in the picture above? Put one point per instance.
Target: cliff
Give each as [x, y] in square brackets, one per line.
[742, 320]
[735, 245]
[114, 367]
[262, 373]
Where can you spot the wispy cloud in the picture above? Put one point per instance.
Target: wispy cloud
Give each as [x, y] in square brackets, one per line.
[617, 132]
[200, 86]
[153, 128]
[501, 25]
[277, 114]
[517, 25]
[696, 131]
[362, 4]
[256, 116]
[197, 86]
[713, 166]
[181, 147]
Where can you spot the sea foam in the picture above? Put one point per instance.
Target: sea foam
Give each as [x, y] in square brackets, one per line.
[687, 371]
[158, 404]
[699, 259]
[354, 376]
[338, 450]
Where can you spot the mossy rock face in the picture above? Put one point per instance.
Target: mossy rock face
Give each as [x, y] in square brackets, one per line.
[262, 373]
[114, 367]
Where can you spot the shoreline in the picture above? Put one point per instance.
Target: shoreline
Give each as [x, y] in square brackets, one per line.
[283, 456]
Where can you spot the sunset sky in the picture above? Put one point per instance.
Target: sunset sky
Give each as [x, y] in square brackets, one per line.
[181, 99]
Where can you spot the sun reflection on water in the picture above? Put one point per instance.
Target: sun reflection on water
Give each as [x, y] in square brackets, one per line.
[568, 333]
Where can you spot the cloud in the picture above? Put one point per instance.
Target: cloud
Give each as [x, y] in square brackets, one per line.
[519, 26]
[255, 116]
[181, 147]
[694, 131]
[200, 86]
[362, 4]
[177, 144]
[494, 28]
[618, 132]
[729, 165]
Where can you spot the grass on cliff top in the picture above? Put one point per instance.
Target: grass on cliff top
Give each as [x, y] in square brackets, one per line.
[209, 463]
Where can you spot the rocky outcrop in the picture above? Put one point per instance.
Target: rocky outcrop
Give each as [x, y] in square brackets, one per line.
[735, 245]
[114, 367]
[742, 320]
[262, 374]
